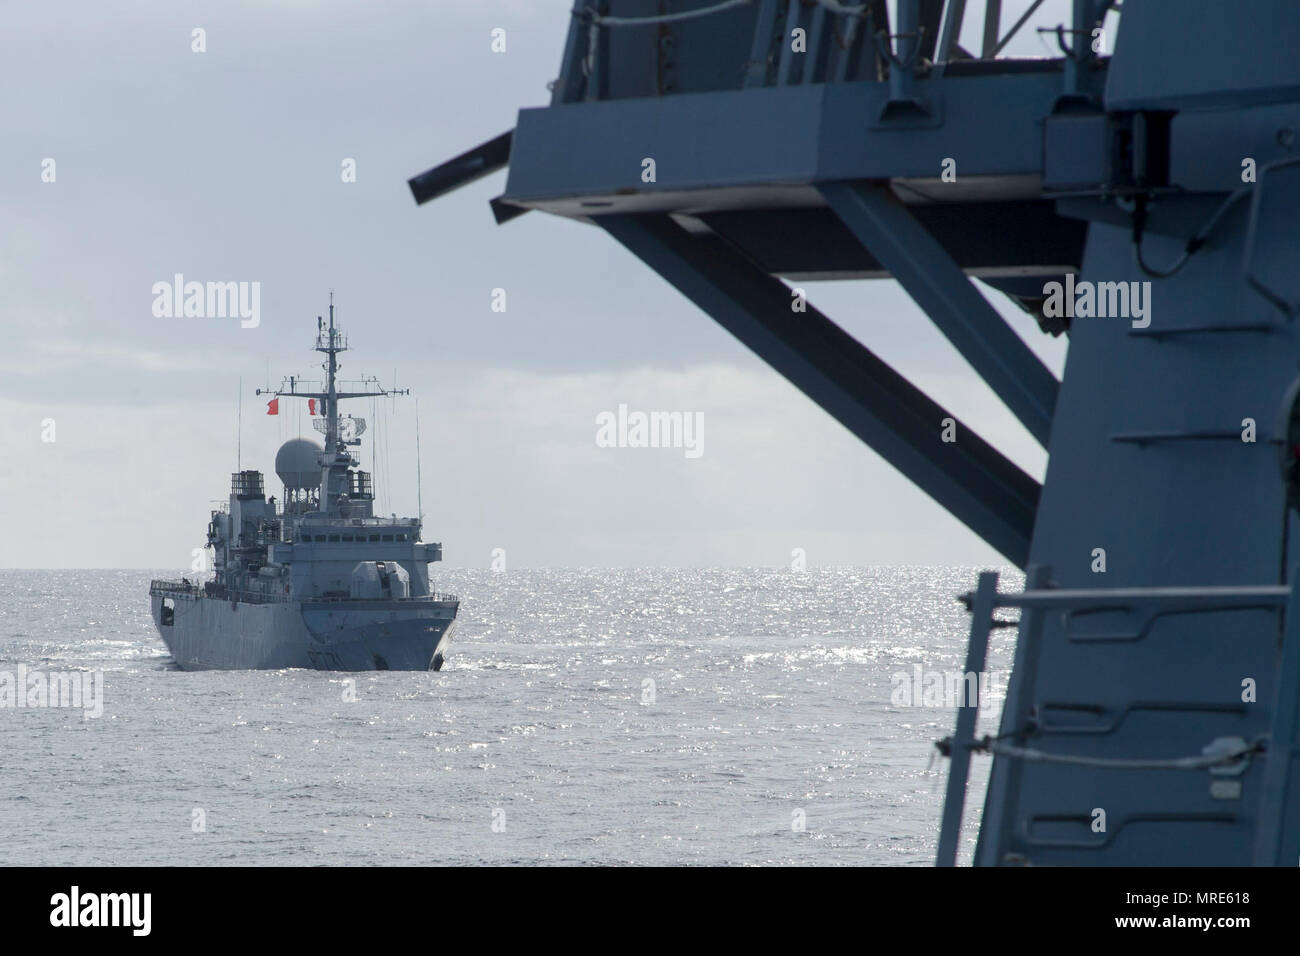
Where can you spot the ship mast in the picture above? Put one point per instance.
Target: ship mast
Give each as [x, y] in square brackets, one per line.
[331, 343]
[336, 461]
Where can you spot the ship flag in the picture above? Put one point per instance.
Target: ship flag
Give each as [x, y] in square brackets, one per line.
[273, 407]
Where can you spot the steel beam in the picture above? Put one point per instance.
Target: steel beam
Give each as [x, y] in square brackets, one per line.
[902, 245]
[569, 86]
[929, 15]
[765, 26]
[975, 482]
[992, 26]
[963, 738]
[471, 165]
[1017, 709]
[948, 40]
[1024, 18]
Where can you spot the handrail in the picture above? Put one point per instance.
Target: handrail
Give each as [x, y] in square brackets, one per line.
[1189, 598]
[1038, 599]
[161, 584]
[432, 598]
[267, 597]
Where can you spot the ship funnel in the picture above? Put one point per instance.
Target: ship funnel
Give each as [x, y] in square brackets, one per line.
[298, 464]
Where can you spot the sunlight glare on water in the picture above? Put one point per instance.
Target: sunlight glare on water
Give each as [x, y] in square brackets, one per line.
[583, 716]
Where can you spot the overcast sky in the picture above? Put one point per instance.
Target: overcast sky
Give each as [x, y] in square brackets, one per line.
[225, 165]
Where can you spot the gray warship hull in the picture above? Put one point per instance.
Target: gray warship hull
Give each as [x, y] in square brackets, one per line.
[211, 633]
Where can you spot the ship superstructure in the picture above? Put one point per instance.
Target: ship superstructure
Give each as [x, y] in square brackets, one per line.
[317, 579]
[1145, 171]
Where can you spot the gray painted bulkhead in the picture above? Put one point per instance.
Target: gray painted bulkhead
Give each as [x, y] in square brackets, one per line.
[1121, 169]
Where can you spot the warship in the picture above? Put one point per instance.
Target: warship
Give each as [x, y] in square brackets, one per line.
[318, 580]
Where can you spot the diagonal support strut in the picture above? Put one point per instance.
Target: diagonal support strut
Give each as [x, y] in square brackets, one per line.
[970, 478]
[903, 246]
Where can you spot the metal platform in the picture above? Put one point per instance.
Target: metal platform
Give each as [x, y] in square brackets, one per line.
[734, 146]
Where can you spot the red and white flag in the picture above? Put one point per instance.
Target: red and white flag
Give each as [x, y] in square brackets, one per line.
[273, 407]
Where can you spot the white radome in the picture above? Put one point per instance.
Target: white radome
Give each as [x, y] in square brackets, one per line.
[298, 465]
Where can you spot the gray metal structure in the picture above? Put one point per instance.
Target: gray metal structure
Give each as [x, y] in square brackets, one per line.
[319, 581]
[1152, 713]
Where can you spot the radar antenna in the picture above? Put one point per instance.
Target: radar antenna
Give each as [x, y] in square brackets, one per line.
[341, 432]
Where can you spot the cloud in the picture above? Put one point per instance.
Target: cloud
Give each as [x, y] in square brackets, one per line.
[65, 355]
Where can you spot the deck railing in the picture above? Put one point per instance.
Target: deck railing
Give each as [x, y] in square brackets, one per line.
[1144, 606]
[213, 590]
